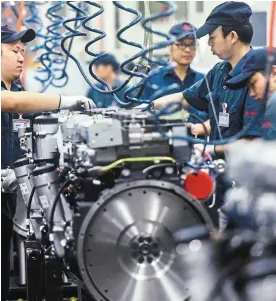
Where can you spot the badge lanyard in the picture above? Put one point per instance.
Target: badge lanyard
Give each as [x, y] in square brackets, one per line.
[224, 116]
[20, 123]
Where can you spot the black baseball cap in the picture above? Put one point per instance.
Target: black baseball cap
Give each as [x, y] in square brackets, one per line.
[9, 35]
[230, 13]
[183, 30]
[254, 63]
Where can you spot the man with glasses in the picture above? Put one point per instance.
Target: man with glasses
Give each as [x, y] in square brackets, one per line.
[230, 34]
[182, 54]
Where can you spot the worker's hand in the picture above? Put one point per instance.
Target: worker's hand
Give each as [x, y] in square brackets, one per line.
[78, 103]
[8, 181]
[208, 149]
[196, 129]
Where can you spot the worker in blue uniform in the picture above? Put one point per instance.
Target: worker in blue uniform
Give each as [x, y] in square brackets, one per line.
[13, 104]
[182, 53]
[107, 69]
[254, 75]
[229, 111]
[230, 33]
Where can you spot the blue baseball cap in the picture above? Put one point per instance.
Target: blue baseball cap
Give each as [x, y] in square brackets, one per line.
[9, 35]
[108, 59]
[254, 63]
[183, 30]
[230, 13]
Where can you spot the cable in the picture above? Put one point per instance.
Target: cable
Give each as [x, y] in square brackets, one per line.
[131, 160]
[29, 206]
[30, 203]
[53, 208]
[206, 134]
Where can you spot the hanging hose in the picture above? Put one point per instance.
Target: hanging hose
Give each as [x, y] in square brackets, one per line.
[53, 59]
[98, 56]
[83, 16]
[34, 21]
[170, 39]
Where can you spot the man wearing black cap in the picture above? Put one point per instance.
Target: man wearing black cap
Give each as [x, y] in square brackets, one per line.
[182, 54]
[230, 33]
[107, 68]
[254, 75]
[13, 101]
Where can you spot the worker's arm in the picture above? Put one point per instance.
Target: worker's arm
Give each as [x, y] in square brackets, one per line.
[31, 102]
[163, 101]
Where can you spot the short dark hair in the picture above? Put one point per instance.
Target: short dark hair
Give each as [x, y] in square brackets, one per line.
[108, 59]
[245, 32]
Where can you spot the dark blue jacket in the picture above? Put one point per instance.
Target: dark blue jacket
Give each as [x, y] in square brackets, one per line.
[240, 106]
[269, 125]
[106, 100]
[166, 78]
[10, 152]
[9, 140]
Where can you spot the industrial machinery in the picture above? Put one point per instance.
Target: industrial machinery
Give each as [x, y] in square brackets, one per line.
[100, 196]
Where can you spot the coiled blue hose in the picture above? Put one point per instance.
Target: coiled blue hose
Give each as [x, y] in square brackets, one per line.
[53, 59]
[74, 33]
[170, 39]
[34, 21]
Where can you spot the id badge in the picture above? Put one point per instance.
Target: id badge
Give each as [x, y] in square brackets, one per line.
[20, 123]
[224, 119]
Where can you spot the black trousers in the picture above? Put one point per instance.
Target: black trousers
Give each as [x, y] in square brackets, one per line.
[6, 237]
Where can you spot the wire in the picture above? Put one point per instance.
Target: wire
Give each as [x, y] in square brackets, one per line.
[30, 202]
[138, 159]
[55, 202]
[206, 134]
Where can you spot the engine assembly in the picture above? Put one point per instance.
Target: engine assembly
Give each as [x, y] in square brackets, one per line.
[101, 195]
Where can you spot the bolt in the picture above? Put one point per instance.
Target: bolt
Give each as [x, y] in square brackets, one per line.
[141, 239]
[149, 260]
[135, 245]
[149, 239]
[141, 259]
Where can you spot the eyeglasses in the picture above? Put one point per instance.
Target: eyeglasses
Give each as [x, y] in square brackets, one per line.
[183, 46]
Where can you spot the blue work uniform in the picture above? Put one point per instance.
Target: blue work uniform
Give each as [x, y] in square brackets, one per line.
[107, 100]
[10, 142]
[237, 103]
[10, 151]
[165, 78]
[269, 125]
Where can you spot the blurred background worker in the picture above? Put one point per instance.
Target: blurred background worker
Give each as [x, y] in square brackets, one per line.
[182, 54]
[254, 75]
[107, 69]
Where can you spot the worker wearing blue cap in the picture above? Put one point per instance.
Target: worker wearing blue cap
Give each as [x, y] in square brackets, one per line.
[182, 53]
[254, 75]
[13, 102]
[230, 33]
[229, 111]
[107, 68]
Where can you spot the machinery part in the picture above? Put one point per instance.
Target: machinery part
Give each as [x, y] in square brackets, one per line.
[22, 260]
[47, 183]
[34, 270]
[125, 245]
[53, 279]
[45, 147]
[23, 169]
